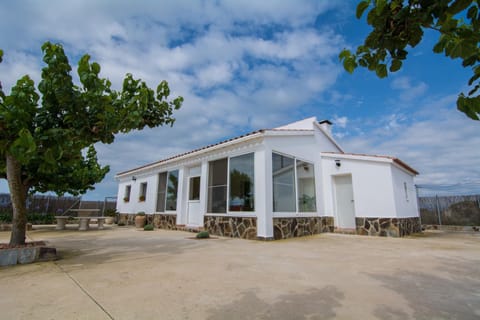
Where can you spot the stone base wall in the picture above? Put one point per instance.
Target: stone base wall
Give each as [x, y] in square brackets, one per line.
[126, 219]
[235, 227]
[160, 221]
[165, 221]
[284, 228]
[388, 227]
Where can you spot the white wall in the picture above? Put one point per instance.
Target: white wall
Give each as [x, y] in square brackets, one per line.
[263, 193]
[134, 205]
[371, 182]
[405, 200]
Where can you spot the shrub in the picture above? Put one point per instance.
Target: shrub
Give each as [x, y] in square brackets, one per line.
[6, 217]
[148, 227]
[110, 212]
[41, 218]
[203, 235]
[121, 224]
[141, 213]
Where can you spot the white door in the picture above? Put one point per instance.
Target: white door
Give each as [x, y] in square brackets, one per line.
[194, 216]
[344, 202]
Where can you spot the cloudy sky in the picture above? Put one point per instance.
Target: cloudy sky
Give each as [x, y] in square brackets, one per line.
[246, 65]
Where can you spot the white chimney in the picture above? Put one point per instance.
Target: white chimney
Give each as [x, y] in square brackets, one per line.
[326, 126]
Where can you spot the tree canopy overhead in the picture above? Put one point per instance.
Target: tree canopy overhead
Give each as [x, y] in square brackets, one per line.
[399, 25]
[47, 137]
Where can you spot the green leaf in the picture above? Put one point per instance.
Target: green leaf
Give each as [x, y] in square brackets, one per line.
[380, 5]
[459, 5]
[440, 45]
[381, 70]
[396, 65]
[472, 12]
[344, 54]
[349, 64]
[475, 76]
[24, 147]
[96, 68]
[469, 106]
[361, 7]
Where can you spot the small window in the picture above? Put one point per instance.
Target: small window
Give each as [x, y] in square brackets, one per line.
[406, 191]
[143, 192]
[194, 193]
[126, 196]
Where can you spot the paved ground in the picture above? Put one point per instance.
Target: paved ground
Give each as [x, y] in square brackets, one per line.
[122, 273]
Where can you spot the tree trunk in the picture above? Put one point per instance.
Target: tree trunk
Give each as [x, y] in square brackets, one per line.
[18, 195]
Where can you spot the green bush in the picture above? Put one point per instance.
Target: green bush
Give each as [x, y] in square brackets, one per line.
[110, 212]
[203, 235]
[33, 218]
[5, 217]
[148, 227]
[41, 218]
[141, 213]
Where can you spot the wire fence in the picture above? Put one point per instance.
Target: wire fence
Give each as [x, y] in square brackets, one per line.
[54, 205]
[457, 204]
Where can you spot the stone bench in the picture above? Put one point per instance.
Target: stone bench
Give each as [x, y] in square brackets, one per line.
[83, 222]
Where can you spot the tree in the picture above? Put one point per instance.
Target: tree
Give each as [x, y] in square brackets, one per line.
[47, 142]
[399, 25]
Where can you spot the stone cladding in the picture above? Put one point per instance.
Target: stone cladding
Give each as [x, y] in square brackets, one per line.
[126, 219]
[388, 227]
[165, 221]
[284, 228]
[235, 227]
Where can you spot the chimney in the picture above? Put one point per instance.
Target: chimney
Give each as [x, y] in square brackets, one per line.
[326, 126]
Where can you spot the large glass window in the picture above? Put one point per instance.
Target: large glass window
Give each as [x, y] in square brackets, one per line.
[283, 173]
[241, 183]
[167, 191]
[172, 188]
[162, 182]
[306, 187]
[217, 186]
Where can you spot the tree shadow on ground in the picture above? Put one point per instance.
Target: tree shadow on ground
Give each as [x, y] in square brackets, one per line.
[87, 251]
[431, 296]
[314, 304]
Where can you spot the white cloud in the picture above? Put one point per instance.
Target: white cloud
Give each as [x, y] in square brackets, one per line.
[341, 122]
[439, 141]
[409, 91]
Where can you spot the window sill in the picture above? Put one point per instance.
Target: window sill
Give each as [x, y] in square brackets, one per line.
[295, 214]
[233, 214]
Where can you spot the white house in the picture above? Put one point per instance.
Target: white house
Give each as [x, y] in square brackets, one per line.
[277, 183]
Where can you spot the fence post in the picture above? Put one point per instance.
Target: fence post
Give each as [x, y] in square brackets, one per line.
[437, 204]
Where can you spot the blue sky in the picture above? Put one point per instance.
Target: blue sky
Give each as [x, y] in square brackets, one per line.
[246, 65]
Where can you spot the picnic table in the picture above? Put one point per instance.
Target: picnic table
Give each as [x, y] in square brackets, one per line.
[83, 216]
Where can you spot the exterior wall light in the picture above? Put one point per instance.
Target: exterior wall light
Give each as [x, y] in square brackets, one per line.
[338, 163]
[134, 178]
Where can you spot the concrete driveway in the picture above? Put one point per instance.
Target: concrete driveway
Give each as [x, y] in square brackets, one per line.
[123, 273]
